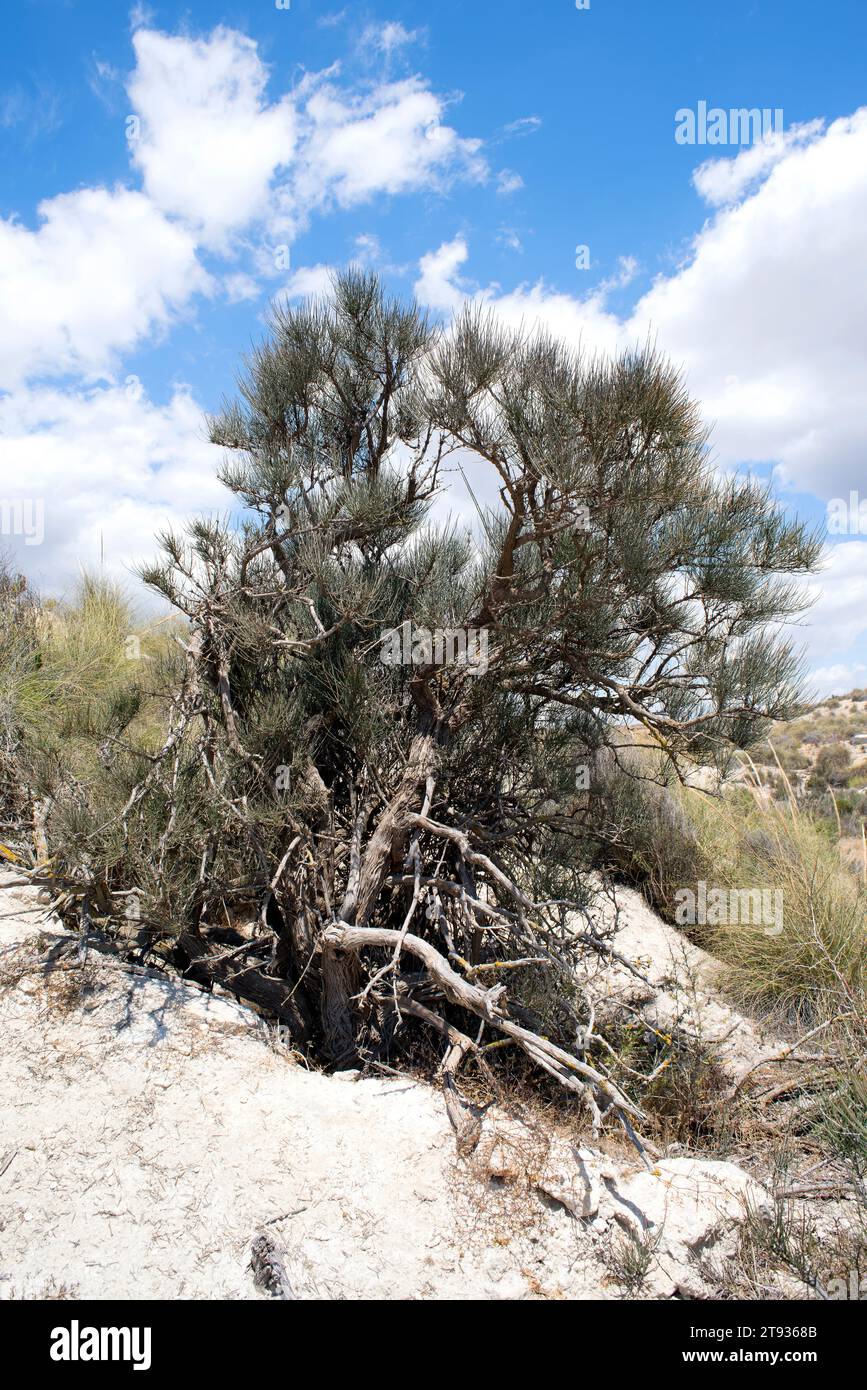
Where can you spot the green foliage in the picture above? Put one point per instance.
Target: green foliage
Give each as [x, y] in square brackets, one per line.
[19, 660]
[79, 696]
[642, 825]
[842, 1119]
[831, 766]
[618, 582]
[816, 968]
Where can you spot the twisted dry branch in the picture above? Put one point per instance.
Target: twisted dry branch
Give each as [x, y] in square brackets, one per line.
[342, 937]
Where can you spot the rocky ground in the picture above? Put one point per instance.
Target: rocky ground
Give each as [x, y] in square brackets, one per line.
[158, 1143]
[671, 985]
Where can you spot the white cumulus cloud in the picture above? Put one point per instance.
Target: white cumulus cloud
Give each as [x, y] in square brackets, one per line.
[209, 143]
[438, 284]
[109, 469]
[103, 270]
[722, 181]
[766, 314]
[390, 140]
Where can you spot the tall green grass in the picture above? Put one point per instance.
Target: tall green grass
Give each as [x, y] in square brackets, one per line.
[76, 677]
[815, 969]
[82, 664]
[19, 657]
[673, 837]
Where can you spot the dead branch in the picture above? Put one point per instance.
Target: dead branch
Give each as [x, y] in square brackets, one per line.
[340, 936]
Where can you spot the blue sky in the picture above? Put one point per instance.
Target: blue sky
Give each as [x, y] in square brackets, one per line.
[166, 171]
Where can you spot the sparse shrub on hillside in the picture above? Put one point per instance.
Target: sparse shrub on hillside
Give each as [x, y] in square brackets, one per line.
[642, 830]
[841, 1118]
[831, 767]
[782, 1240]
